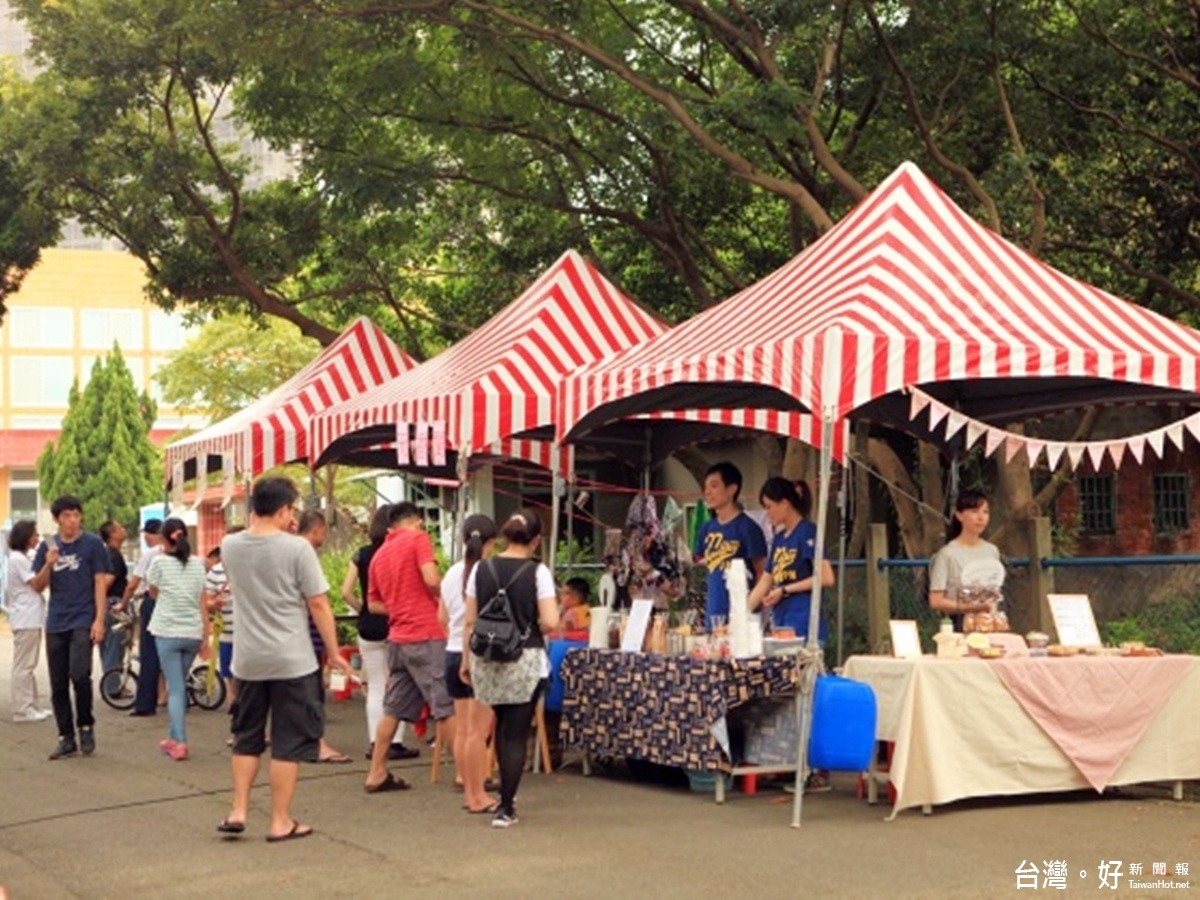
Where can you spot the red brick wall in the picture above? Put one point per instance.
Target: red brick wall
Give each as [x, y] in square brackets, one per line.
[1134, 489]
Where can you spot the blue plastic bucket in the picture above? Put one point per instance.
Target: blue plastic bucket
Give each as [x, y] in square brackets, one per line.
[843, 725]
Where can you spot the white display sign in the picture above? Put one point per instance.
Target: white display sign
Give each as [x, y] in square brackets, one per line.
[635, 628]
[906, 642]
[1073, 620]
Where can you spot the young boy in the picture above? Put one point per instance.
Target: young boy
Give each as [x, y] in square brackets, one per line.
[576, 614]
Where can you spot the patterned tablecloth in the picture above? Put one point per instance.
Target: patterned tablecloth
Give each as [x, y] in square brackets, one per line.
[663, 708]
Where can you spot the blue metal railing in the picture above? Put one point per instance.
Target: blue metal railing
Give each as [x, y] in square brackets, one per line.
[1051, 562]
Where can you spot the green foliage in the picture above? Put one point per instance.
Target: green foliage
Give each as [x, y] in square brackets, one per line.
[233, 361]
[1172, 625]
[103, 455]
[335, 563]
[573, 559]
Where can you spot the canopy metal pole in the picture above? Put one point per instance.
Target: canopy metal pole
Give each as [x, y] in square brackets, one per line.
[460, 504]
[841, 569]
[556, 492]
[814, 615]
[571, 518]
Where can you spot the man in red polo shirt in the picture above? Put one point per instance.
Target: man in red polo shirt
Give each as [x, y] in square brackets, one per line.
[403, 582]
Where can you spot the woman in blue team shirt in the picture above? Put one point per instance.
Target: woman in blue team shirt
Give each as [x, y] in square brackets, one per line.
[786, 585]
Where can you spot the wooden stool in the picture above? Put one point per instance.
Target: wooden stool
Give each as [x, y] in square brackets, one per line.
[542, 749]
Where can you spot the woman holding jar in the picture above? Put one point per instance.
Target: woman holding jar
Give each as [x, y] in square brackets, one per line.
[785, 587]
[964, 547]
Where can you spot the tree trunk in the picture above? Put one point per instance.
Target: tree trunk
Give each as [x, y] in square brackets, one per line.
[895, 475]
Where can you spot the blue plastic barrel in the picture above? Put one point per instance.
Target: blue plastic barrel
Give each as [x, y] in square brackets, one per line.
[843, 725]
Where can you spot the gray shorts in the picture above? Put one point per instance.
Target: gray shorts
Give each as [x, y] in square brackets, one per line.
[417, 676]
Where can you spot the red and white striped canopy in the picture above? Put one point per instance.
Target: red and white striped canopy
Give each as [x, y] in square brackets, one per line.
[907, 289]
[500, 380]
[274, 429]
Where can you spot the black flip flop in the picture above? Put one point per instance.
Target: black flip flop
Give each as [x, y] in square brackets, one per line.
[391, 783]
[227, 827]
[298, 831]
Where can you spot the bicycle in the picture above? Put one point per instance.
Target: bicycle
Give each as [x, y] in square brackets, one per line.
[205, 687]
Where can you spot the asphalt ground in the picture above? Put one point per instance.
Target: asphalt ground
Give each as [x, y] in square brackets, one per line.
[129, 822]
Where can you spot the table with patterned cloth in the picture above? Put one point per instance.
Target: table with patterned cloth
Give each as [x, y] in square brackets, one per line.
[663, 709]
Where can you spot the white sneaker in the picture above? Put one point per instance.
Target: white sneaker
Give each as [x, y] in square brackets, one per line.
[38, 715]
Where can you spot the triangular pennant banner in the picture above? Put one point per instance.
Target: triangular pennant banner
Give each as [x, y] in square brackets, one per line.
[1116, 450]
[919, 402]
[1155, 440]
[954, 423]
[1054, 452]
[1095, 452]
[402, 454]
[1075, 454]
[937, 412]
[993, 438]
[1012, 446]
[1033, 449]
[1192, 424]
[975, 430]
[1175, 435]
[1137, 448]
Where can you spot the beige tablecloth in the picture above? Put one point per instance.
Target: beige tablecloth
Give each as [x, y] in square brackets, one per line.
[960, 732]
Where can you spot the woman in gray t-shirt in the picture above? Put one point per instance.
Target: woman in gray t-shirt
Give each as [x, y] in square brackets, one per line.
[965, 546]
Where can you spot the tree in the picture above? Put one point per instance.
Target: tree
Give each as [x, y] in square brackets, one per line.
[104, 455]
[231, 362]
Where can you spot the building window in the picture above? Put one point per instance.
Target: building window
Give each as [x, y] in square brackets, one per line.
[1097, 504]
[101, 328]
[168, 332]
[40, 328]
[1171, 502]
[23, 495]
[41, 380]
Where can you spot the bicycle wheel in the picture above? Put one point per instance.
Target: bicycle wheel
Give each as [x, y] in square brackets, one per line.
[197, 689]
[118, 687]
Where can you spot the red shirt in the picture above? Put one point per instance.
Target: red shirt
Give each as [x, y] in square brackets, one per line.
[395, 580]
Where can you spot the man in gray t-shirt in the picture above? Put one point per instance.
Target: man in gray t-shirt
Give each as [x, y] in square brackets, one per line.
[279, 584]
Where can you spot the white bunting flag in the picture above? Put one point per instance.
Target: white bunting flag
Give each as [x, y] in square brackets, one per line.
[438, 447]
[201, 479]
[402, 453]
[1012, 446]
[1175, 435]
[937, 412]
[1192, 424]
[1137, 448]
[421, 445]
[1033, 449]
[918, 402]
[1155, 440]
[227, 483]
[1116, 450]
[1095, 452]
[975, 430]
[992, 440]
[954, 423]
[1054, 452]
[1075, 453]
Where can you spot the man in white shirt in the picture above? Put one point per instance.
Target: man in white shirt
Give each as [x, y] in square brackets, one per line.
[146, 703]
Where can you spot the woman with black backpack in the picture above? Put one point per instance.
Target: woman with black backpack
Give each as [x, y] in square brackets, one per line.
[510, 592]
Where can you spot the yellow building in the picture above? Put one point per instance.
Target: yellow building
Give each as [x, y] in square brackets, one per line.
[71, 309]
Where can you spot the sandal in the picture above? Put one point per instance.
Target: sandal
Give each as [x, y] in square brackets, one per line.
[490, 810]
[227, 827]
[391, 783]
[298, 831]
[335, 758]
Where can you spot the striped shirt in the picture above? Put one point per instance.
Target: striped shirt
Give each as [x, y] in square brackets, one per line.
[217, 582]
[177, 612]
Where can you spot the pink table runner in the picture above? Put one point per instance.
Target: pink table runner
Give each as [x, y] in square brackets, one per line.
[1095, 708]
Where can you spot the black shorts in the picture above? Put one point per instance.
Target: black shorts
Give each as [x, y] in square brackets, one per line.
[455, 686]
[296, 714]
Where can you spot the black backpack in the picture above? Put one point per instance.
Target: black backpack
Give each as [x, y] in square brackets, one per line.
[496, 635]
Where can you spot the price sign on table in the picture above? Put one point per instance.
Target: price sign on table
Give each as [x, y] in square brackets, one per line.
[1073, 620]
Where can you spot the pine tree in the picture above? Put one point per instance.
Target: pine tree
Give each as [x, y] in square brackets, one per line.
[104, 455]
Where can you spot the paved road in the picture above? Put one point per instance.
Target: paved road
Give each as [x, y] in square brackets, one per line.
[129, 822]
